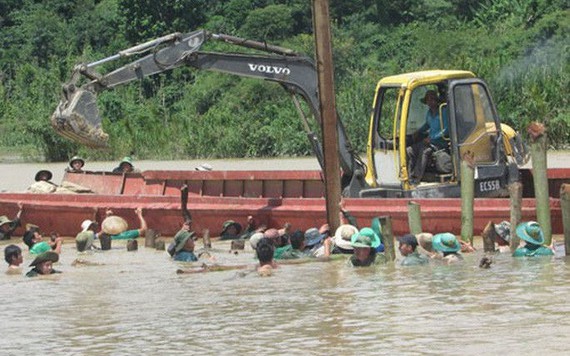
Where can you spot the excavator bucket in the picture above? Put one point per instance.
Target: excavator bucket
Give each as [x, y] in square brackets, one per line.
[77, 118]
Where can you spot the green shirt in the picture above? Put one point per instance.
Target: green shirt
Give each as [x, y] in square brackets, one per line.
[126, 235]
[531, 250]
[280, 251]
[294, 254]
[415, 259]
[40, 247]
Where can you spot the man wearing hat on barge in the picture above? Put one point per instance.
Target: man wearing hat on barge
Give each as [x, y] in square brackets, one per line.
[43, 183]
[531, 233]
[43, 264]
[76, 164]
[125, 166]
[7, 226]
[408, 245]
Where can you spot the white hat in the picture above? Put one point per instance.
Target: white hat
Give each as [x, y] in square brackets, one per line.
[204, 167]
[85, 225]
[254, 239]
[342, 236]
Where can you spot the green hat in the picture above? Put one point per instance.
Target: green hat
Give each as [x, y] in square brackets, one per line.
[180, 239]
[530, 232]
[4, 220]
[84, 240]
[446, 242]
[43, 171]
[377, 227]
[365, 238]
[229, 223]
[76, 158]
[127, 159]
[46, 256]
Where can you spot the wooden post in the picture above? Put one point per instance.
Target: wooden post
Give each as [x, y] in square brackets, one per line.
[159, 244]
[132, 245]
[515, 193]
[467, 197]
[206, 239]
[537, 134]
[149, 238]
[388, 238]
[328, 119]
[105, 241]
[489, 236]
[565, 206]
[414, 218]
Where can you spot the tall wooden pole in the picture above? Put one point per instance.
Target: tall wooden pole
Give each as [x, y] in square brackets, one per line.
[388, 238]
[325, 71]
[515, 193]
[414, 218]
[467, 197]
[537, 133]
[565, 206]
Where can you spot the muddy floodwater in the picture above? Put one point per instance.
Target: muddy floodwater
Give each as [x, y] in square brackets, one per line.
[133, 303]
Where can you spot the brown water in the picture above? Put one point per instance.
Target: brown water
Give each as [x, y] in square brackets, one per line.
[136, 304]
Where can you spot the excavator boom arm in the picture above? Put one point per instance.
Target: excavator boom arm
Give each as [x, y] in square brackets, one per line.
[77, 116]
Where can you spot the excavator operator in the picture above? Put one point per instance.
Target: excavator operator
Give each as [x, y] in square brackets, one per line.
[421, 151]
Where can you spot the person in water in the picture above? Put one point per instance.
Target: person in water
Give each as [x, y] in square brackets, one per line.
[364, 244]
[408, 249]
[33, 238]
[230, 230]
[184, 249]
[134, 233]
[447, 244]
[531, 233]
[13, 256]
[264, 250]
[43, 264]
[7, 226]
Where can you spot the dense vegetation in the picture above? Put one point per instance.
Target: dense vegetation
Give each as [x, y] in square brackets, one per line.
[520, 47]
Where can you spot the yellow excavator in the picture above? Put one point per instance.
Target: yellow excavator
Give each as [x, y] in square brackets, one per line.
[396, 121]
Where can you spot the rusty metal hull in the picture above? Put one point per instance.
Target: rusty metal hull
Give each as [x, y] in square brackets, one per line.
[273, 197]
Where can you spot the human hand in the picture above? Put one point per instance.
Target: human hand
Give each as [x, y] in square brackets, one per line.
[341, 204]
[139, 211]
[20, 205]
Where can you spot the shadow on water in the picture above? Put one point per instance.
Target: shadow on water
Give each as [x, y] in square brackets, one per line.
[134, 302]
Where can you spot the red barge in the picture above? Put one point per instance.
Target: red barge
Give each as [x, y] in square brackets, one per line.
[273, 197]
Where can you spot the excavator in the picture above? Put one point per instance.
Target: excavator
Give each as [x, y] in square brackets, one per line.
[397, 114]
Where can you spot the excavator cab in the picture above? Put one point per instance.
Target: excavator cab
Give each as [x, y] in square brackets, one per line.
[469, 126]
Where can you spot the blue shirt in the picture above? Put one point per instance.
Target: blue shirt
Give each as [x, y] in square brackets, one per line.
[433, 128]
[185, 256]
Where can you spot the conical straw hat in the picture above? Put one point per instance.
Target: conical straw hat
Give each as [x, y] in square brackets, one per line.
[114, 225]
